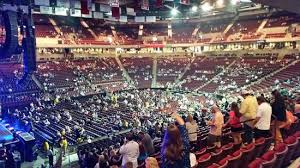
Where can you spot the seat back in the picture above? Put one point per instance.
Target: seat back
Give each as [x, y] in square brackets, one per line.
[204, 161]
[292, 143]
[269, 159]
[259, 146]
[248, 153]
[280, 151]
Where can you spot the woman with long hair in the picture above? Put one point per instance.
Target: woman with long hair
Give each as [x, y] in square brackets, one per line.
[234, 123]
[279, 111]
[175, 147]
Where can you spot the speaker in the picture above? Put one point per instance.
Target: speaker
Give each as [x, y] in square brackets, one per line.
[11, 40]
[29, 46]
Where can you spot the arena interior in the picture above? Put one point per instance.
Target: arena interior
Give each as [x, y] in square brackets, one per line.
[149, 83]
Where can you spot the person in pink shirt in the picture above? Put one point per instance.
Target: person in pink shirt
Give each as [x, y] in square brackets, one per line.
[234, 123]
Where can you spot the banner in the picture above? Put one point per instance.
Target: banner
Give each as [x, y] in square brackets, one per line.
[46, 10]
[84, 7]
[130, 11]
[114, 3]
[115, 11]
[145, 5]
[123, 19]
[150, 18]
[105, 8]
[87, 15]
[42, 2]
[63, 3]
[75, 13]
[61, 11]
[139, 19]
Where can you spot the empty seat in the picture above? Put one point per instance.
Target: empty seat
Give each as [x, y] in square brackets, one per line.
[269, 159]
[204, 160]
[280, 151]
[292, 143]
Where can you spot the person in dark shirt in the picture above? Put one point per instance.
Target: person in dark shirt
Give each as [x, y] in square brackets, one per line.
[175, 148]
[279, 111]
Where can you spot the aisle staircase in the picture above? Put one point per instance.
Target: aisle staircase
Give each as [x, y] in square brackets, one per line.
[271, 74]
[154, 73]
[217, 75]
[124, 71]
[56, 28]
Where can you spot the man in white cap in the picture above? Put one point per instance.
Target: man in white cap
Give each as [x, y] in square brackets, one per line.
[248, 110]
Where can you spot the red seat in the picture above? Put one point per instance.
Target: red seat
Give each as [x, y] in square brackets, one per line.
[280, 151]
[216, 155]
[211, 148]
[269, 159]
[234, 159]
[200, 152]
[292, 143]
[248, 153]
[259, 146]
[297, 152]
[227, 149]
[257, 163]
[214, 165]
[223, 163]
[204, 160]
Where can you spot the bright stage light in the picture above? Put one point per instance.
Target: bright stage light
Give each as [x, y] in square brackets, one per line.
[174, 11]
[206, 7]
[234, 2]
[194, 8]
[220, 3]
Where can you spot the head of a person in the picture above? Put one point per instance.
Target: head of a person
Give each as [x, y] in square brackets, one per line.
[214, 109]
[151, 162]
[190, 118]
[141, 135]
[172, 147]
[276, 95]
[128, 165]
[130, 136]
[235, 107]
[245, 93]
[260, 99]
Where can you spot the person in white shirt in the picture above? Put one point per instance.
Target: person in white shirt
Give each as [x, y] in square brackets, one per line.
[192, 128]
[263, 119]
[130, 151]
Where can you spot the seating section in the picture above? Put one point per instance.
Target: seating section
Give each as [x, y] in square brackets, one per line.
[182, 33]
[203, 69]
[285, 77]
[244, 71]
[169, 69]
[140, 70]
[43, 27]
[243, 29]
[69, 74]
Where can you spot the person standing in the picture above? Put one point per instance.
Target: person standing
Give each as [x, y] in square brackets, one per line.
[175, 150]
[248, 110]
[192, 128]
[216, 125]
[147, 143]
[130, 151]
[234, 122]
[279, 111]
[263, 119]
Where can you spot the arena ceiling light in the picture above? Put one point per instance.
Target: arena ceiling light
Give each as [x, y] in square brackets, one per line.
[219, 3]
[174, 11]
[194, 8]
[206, 7]
[234, 2]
